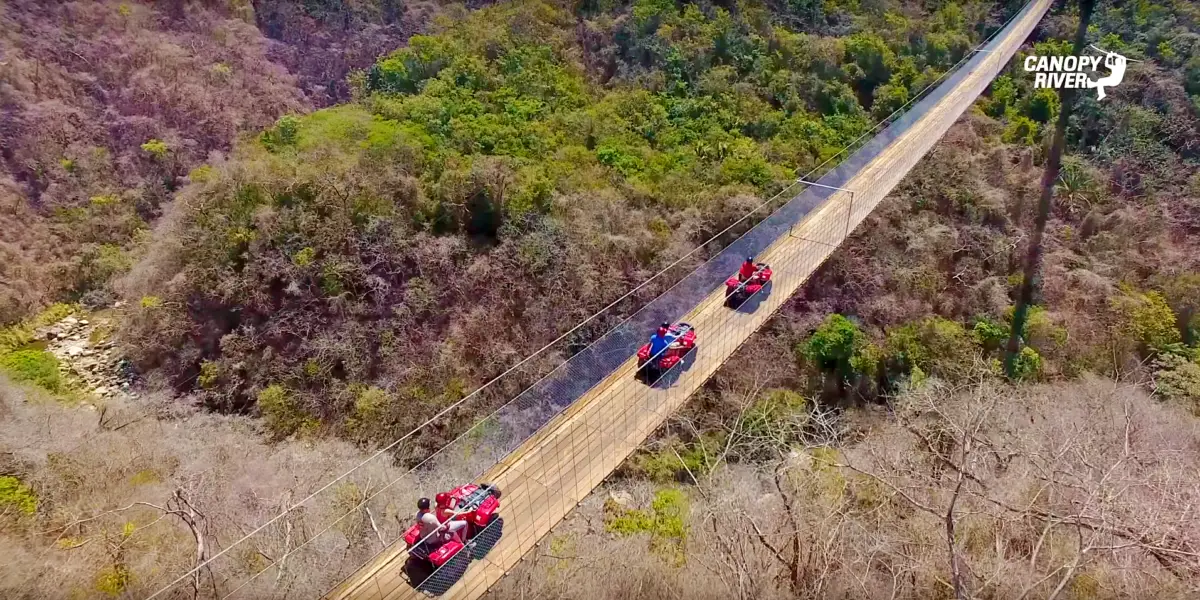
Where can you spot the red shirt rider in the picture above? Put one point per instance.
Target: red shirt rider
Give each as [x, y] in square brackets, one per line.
[748, 269]
[445, 513]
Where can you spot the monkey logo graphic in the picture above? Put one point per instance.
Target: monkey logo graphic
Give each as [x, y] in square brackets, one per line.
[1116, 66]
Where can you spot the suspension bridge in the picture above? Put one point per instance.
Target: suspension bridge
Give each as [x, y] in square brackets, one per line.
[551, 472]
[552, 444]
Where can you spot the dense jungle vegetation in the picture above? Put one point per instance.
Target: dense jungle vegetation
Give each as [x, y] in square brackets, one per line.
[318, 223]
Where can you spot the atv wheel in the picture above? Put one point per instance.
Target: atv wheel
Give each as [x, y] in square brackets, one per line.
[650, 374]
[417, 570]
[642, 373]
[442, 579]
[487, 538]
[737, 299]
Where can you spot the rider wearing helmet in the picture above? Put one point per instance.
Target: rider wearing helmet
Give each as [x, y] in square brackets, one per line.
[445, 506]
[661, 340]
[445, 516]
[428, 521]
[748, 269]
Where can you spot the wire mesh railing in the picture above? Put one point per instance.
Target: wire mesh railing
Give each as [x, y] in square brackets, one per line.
[551, 444]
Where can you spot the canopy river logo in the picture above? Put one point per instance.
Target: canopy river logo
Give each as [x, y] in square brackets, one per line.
[1071, 72]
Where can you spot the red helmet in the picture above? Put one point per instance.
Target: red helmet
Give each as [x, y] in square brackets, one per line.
[442, 499]
[664, 328]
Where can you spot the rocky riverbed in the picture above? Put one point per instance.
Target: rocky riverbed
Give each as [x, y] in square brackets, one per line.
[87, 356]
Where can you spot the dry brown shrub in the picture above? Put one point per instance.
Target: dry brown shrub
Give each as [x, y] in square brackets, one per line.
[1074, 490]
[85, 85]
[195, 82]
[28, 256]
[97, 472]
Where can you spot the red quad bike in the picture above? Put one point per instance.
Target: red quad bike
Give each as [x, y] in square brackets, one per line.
[651, 368]
[736, 293]
[434, 565]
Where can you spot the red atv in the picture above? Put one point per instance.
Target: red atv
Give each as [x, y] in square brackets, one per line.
[737, 291]
[683, 341]
[435, 564]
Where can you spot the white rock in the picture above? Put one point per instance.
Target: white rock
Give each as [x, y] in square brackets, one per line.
[70, 320]
[83, 322]
[621, 498]
[74, 351]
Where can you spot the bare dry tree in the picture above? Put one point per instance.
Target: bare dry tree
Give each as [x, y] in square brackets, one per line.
[1081, 485]
[1078, 490]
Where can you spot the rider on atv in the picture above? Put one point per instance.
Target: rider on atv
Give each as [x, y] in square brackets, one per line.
[661, 340]
[464, 525]
[434, 532]
[667, 348]
[427, 520]
[751, 278]
[432, 523]
[748, 269]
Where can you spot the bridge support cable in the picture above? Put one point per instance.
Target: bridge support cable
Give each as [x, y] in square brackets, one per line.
[849, 208]
[561, 462]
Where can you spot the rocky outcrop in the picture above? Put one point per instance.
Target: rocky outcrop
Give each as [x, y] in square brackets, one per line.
[86, 355]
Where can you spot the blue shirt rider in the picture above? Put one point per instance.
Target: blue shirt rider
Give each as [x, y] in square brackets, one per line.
[661, 340]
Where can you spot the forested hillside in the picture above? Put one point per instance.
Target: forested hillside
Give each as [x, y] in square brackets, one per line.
[309, 226]
[518, 167]
[109, 105]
